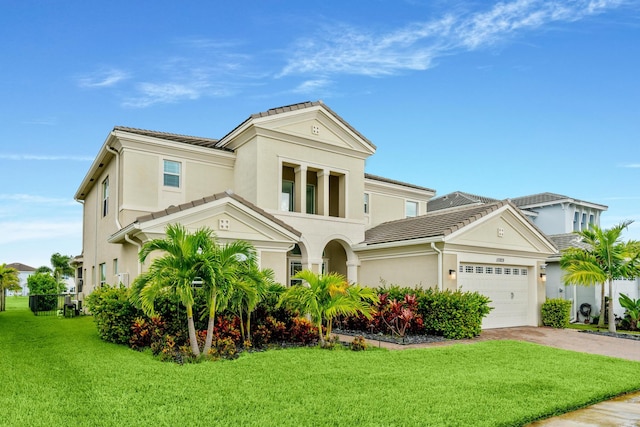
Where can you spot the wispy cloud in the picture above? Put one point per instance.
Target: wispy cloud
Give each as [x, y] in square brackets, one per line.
[310, 86]
[45, 157]
[349, 50]
[631, 165]
[15, 231]
[35, 199]
[41, 122]
[103, 78]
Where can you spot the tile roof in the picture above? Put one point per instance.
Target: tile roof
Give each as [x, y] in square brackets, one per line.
[393, 181]
[568, 240]
[456, 199]
[193, 140]
[226, 194]
[300, 106]
[432, 224]
[544, 198]
[20, 267]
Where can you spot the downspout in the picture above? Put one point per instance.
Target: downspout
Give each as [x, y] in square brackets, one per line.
[117, 213]
[139, 246]
[434, 247]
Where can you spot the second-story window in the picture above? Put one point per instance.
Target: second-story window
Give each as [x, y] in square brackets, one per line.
[105, 196]
[411, 209]
[311, 199]
[103, 274]
[286, 198]
[366, 203]
[172, 173]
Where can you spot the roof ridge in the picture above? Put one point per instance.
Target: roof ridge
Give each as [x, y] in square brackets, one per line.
[393, 181]
[187, 139]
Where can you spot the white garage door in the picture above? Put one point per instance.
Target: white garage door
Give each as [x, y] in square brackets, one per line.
[506, 286]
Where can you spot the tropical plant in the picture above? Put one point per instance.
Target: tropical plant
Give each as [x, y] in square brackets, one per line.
[324, 297]
[61, 266]
[250, 287]
[605, 259]
[175, 271]
[221, 269]
[632, 307]
[9, 281]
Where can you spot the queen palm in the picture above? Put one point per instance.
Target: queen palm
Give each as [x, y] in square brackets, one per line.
[221, 267]
[175, 271]
[61, 266]
[605, 259]
[326, 296]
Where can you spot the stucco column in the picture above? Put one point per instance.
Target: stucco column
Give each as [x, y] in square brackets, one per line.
[352, 271]
[300, 188]
[315, 265]
[323, 192]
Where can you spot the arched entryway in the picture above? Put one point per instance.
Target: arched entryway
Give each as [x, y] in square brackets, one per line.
[335, 258]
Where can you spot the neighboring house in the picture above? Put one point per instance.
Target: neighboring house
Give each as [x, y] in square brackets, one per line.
[24, 271]
[557, 216]
[292, 182]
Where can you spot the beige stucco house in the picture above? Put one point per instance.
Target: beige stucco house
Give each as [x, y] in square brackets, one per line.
[292, 181]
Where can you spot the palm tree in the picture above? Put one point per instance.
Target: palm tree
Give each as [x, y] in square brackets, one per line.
[220, 269]
[606, 259]
[324, 297]
[250, 287]
[61, 266]
[8, 281]
[175, 271]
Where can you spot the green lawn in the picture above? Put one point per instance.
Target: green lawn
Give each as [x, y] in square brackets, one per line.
[56, 371]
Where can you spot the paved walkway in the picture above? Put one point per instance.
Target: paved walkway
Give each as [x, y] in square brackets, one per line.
[621, 411]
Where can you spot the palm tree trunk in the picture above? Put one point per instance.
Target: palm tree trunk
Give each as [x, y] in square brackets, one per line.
[212, 319]
[602, 319]
[192, 332]
[322, 342]
[249, 326]
[612, 316]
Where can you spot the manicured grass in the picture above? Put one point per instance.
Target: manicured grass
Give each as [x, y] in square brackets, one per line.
[56, 371]
[594, 327]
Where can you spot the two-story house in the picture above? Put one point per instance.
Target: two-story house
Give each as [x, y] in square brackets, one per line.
[292, 182]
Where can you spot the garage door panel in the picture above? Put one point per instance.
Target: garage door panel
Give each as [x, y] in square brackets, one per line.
[509, 293]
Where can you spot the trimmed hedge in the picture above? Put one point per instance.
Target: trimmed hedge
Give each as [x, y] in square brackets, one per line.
[453, 314]
[113, 313]
[556, 313]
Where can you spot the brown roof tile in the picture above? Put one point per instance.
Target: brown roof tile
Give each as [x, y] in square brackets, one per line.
[432, 224]
[20, 267]
[457, 199]
[193, 140]
[185, 206]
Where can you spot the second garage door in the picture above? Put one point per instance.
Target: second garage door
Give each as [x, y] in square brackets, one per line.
[506, 286]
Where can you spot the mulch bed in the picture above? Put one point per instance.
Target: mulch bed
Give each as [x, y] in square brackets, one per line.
[406, 340]
[615, 335]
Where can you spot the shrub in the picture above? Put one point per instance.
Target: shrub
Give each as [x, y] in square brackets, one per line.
[302, 331]
[556, 313]
[146, 332]
[113, 313]
[44, 284]
[358, 343]
[453, 314]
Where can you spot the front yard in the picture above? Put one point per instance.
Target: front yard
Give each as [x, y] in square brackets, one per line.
[58, 372]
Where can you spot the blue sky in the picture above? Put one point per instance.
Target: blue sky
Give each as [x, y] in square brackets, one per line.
[501, 99]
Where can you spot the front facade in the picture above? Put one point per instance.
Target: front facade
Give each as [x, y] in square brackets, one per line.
[292, 182]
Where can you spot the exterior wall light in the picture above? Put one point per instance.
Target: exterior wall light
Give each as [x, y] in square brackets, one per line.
[452, 274]
[543, 277]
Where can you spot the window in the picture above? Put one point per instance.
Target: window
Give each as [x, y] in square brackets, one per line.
[524, 272]
[583, 224]
[366, 203]
[410, 209]
[576, 218]
[468, 269]
[172, 174]
[105, 196]
[295, 266]
[103, 274]
[498, 270]
[507, 270]
[591, 221]
[479, 270]
[311, 199]
[516, 271]
[286, 198]
[488, 270]
[115, 266]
